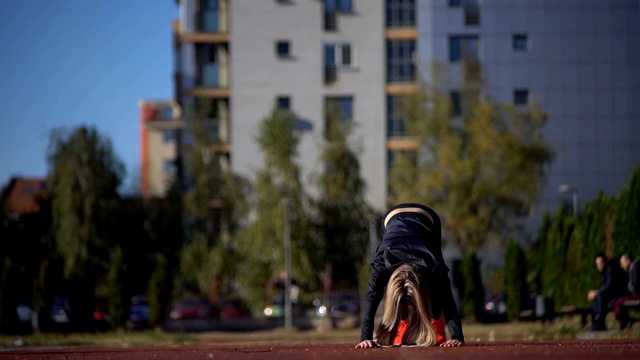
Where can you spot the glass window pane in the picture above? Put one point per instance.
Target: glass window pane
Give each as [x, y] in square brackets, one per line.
[346, 54]
[455, 51]
[329, 55]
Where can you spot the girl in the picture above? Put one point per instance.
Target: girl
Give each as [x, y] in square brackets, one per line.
[409, 263]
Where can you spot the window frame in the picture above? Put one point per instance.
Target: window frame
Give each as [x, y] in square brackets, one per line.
[518, 95]
[338, 55]
[340, 100]
[279, 46]
[463, 39]
[400, 13]
[281, 100]
[401, 67]
[517, 39]
[396, 123]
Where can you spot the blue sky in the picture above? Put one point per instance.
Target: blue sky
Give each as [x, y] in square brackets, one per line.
[66, 63]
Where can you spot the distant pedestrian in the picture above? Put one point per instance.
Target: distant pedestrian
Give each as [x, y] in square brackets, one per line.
[633, 267]
[409, 263]
[613, 287]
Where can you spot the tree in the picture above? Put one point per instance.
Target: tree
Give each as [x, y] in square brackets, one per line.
[515, 279]
[262, 245]
[115, 290]
[342, 209]
[213, 207]
[83, 181]
[627, 224]
[477, 169]
[472, 290]
[159, 291]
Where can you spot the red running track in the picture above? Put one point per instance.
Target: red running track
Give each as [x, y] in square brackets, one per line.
[566, 350]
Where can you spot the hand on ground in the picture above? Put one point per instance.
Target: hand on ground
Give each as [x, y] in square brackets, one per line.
[367, 344]
[452, 343]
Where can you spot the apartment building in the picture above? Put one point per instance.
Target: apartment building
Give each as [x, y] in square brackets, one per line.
[161, 126]
[579, 59]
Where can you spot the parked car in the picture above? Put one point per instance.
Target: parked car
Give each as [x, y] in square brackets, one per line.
[192, 308]
[60, 310]
[233, 308]
[338, 304]
[495, 310]
[139, 312]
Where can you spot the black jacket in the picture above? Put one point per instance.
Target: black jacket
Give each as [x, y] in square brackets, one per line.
[634, 277]
[411, 237]
[614, 282]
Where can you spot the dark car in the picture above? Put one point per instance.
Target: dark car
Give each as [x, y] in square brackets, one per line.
[60, 310]
[233, 308]
[339, 304]
[139, 312]
[192, 308]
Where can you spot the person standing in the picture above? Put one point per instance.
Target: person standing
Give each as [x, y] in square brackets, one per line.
[633, 267]
[613, 287]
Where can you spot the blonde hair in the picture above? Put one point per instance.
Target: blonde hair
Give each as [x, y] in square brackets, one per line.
[407, 288]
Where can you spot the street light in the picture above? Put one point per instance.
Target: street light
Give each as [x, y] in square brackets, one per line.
[288, 318]
[566, 188]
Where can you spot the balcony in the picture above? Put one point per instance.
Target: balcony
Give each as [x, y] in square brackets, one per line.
[330, 74]
[330, 21]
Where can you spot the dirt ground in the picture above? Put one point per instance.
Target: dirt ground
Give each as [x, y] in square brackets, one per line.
[566, 350]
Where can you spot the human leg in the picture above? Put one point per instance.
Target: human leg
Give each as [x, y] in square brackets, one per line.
[600, 313]
[622, 312]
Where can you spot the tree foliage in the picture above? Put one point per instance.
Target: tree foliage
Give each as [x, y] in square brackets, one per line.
[477, 169]
[213, 208]
[159, 291]
[562, 259]
[515, 279]
[342, 209]
[262, 244]
[627, 224]
[84, 179]
[83, 182]
[472, 289]
[118, 301]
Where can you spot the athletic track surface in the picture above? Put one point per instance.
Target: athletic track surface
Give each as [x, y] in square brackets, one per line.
[566, 350]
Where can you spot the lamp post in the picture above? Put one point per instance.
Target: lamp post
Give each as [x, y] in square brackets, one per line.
[566, 188]
[288, 320]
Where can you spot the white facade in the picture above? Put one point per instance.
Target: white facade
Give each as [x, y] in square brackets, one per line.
[258, 76]
[582, 63]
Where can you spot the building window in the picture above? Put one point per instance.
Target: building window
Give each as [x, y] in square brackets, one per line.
[342, 105]
[208, 65]
[400, 64]
[283, 49]
[169, 165]
[331, 8]
[521, 97]
[463, 47]
[336, 56]
[456, 107]
[454, 3]
[401, 13]
[169, 136]
[283, 102]
[338, 5]
[520, 42]
[208, 16]
[396, 125]
[471, 12]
